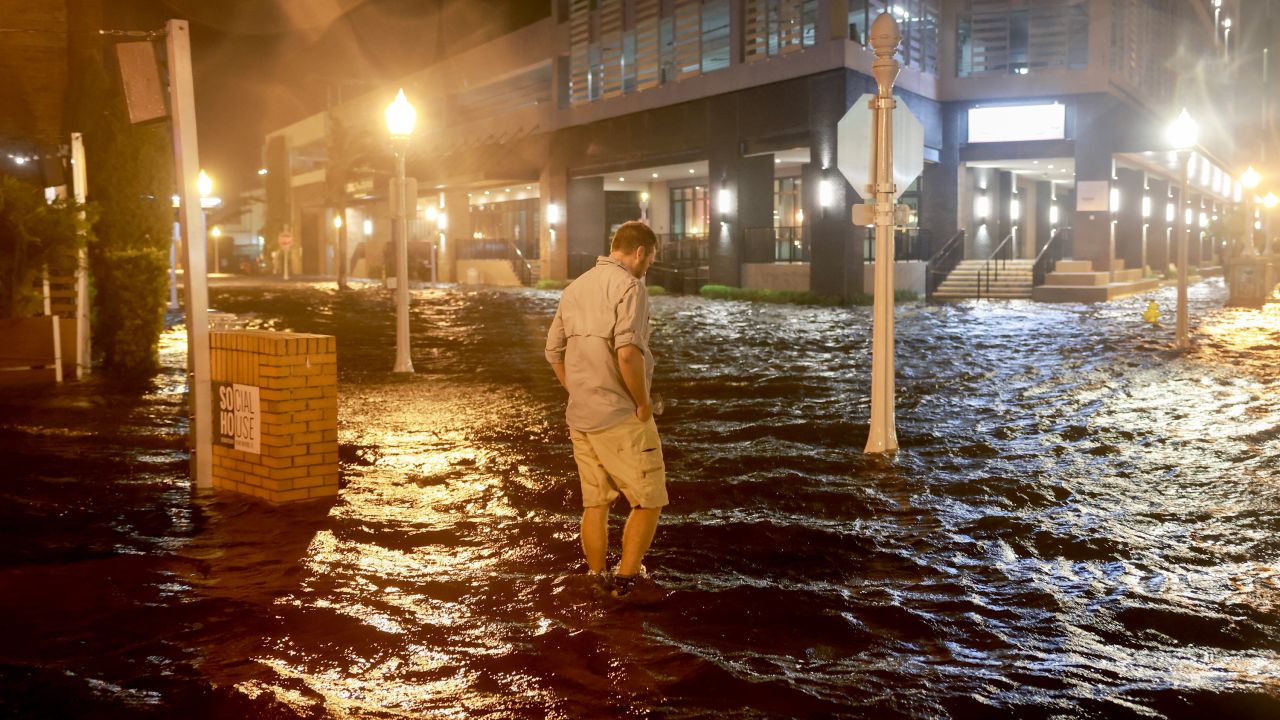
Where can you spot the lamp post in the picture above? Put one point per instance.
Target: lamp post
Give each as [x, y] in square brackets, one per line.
[400, 120]
[1249, 180]
[1182, 135]
[204, 186]
[1269, 246]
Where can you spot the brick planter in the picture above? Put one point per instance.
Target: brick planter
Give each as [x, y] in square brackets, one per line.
[295, 426]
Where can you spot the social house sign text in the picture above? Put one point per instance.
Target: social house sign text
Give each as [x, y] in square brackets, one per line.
[238, 417]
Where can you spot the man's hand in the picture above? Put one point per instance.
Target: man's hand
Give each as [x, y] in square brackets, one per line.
[558, 369]
[644, 412]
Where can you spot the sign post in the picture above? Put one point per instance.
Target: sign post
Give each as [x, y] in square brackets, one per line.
[881, 170]
[285, 241]
[196, 289]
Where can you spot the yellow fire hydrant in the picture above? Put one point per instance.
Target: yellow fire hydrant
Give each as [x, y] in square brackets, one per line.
[1152, 315]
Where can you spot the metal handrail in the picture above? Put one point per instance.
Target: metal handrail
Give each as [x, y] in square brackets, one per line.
[943, 262]
[487, 249]
[1041, 266]
[993, 263]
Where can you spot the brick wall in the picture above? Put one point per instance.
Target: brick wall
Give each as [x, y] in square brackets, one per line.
[297, 377]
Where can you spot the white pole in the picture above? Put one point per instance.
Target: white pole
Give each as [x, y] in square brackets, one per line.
[79, 184]
[173, 265]
[883, 437]
[1184, 229]
[186, 157]
[404, 363]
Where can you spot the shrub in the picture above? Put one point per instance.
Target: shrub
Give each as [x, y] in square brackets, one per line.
[657, 290]
[136, 281]
[34, 235]
[552, 284]
[790, 297]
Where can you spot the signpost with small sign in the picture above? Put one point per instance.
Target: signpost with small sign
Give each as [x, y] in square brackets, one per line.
[881, 170]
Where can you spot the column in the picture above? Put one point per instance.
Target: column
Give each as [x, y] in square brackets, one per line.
[457, 209]
[1158, 226]
[1093, 238]
[553, 189]
[587, 236]
[1128, 218]
[755, 206]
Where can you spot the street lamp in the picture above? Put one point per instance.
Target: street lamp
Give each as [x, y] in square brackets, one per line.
[204, 186]
[1250, 181]
[1182, 134]
[400, 120]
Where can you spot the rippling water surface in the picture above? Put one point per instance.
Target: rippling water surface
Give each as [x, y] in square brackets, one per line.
[1080, 524]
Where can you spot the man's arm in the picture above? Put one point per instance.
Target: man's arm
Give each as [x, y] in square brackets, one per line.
[556, 344]
[631, 365]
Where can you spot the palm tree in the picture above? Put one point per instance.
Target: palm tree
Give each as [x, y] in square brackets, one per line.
[346, 150]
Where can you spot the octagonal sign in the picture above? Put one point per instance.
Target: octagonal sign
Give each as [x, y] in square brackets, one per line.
[854, 145]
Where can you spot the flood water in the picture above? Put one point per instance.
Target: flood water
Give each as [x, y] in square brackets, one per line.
[1080, 523]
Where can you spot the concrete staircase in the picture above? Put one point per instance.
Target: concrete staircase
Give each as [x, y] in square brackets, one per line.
[1014, 281]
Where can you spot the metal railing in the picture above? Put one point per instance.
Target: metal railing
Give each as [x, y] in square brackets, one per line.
[940, 265]
[682, 251]
[908, 244]
[1049, 255]
[497, 249]
[786, 244]
[995, 262]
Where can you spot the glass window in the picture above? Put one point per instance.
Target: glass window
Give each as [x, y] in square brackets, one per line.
[690, 209]
[787, 209]
[994, 38]
[917, 20]
[715, 35]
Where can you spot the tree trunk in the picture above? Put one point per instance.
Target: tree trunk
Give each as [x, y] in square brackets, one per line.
[342, 250]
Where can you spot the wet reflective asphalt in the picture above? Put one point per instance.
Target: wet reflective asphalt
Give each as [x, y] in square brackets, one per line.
[1081, 523]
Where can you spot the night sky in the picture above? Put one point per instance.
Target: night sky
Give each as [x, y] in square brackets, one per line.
[260, 64]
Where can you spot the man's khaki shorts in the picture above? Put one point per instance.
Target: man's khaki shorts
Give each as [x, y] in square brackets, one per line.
[625, 458]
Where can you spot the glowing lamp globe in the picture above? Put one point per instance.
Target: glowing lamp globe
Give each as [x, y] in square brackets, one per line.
[1183, 131]
[401, 116]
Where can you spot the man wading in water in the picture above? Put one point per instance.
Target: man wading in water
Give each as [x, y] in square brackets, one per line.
[598, 346]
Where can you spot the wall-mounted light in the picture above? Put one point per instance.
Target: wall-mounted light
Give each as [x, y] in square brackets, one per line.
[1146, 206]
[724, 201]
[553, 213]
[368, 227]
[982, 208]
[337, 222]
[826, 193]
[1015, 209]
[1053, 214]
[1169, 213]
[432, 212]
[1189, 216]
[1115, 199]
[1204, 220]
[800, 216]
[442, 220]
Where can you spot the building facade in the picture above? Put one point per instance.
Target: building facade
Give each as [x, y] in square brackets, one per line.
[716, 122]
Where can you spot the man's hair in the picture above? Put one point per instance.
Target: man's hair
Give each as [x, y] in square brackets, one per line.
[631, 235]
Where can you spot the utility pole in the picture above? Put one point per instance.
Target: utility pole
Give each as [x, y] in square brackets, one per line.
[186, 157]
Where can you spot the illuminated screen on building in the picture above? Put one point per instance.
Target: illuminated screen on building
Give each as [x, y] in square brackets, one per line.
[1017, 123]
